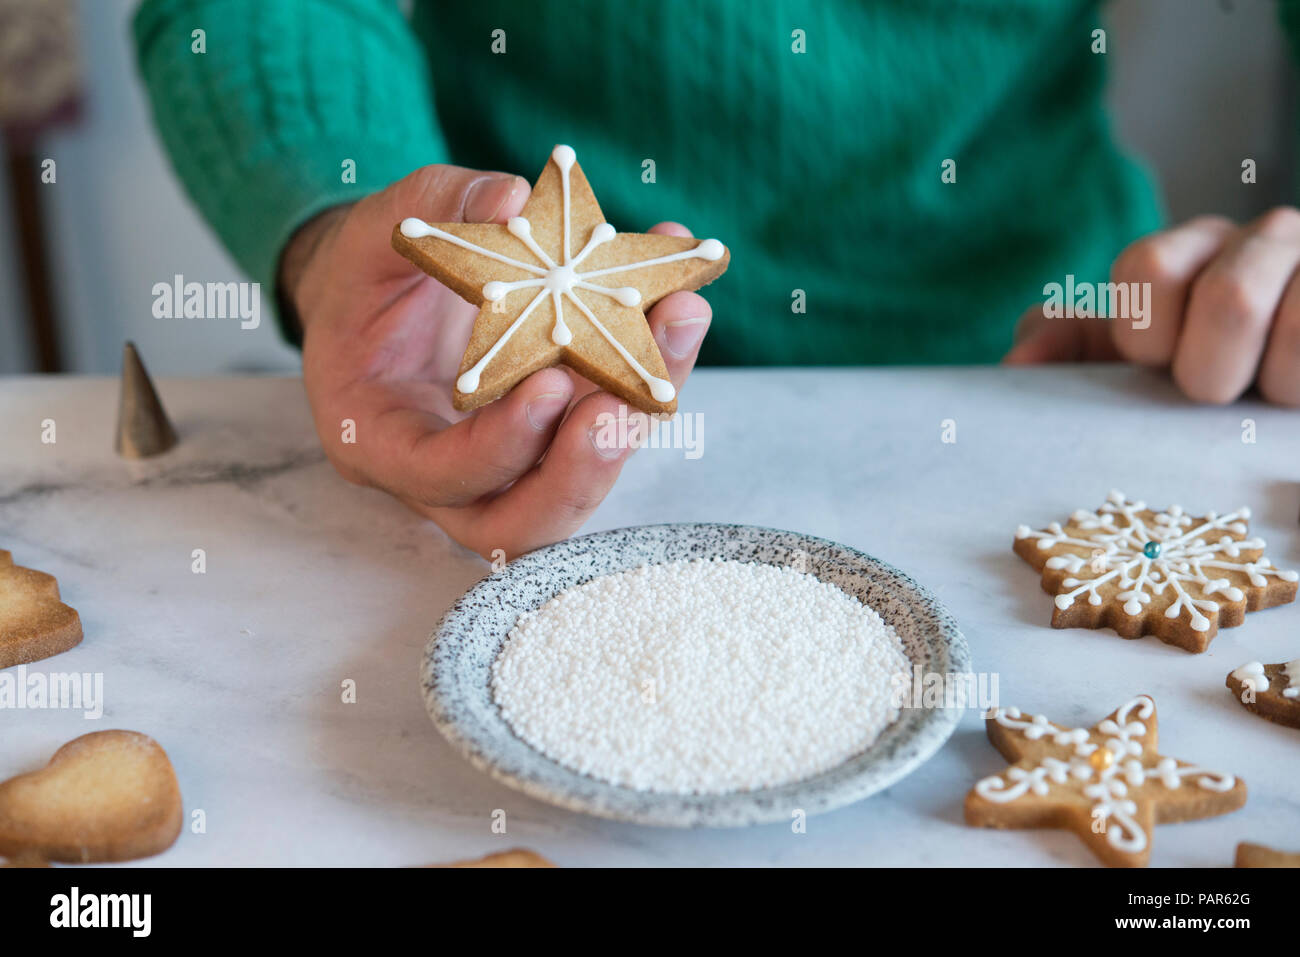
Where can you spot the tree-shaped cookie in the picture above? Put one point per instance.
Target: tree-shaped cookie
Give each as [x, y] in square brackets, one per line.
[34, 624]
[1144, 572]
[1107, 783]
[558, 285]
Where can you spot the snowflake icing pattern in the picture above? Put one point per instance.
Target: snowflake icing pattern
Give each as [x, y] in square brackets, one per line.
[1110, 766]
[561, 281]
[1141, 571]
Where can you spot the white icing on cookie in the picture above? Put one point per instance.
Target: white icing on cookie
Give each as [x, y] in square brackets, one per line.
[1108, 789]
[561, 281]
[1292, 671]
[1145, 560]
[1252, 676]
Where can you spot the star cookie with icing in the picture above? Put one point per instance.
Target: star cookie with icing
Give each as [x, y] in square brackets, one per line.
[34, 623]
[1107, 783]
[1270, 691]
[557, 285]
[1146, 572]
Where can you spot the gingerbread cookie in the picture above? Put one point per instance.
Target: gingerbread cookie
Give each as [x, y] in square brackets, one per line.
[1144, 572]
[1271, 691]
[518, 857]
[1257, 855]
[557, 285]
[1106, 783]
[34, 624]
[106, 796]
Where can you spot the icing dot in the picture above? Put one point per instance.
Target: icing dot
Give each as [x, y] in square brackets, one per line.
[561, 335]
[467, 383]
[560, 279]
[519, 226]
[626, 296]
[710, 249]
[493, 292]
[413, 228]
[603, 233]
[662, 390]
[564, 156]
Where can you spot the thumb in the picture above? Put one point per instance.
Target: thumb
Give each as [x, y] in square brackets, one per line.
[452, 194]
[440, 194]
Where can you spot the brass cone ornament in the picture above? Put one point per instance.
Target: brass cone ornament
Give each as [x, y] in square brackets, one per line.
[143, 428]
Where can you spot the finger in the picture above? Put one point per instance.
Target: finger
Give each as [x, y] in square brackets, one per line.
[1169, 260]
[1232, 305]
[1041, 338]
[679, 323]
[437, 194]
[669, 228]
[1279, 374]
[416, 455]
[553, 500]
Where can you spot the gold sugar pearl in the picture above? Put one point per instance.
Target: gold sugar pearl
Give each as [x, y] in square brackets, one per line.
[1101, 759]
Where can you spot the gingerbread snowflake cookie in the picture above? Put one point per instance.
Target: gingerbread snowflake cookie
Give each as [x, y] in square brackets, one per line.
[1107, 783]
[1143, 572]
[34, 623]
[558, 285]
[1271, 691]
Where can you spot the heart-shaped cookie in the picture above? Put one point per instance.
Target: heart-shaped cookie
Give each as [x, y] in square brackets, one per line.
[34, 624]
[106, 796]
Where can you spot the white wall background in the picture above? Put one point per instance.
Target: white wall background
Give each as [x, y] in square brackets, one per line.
[1197, 85]
[120, 223]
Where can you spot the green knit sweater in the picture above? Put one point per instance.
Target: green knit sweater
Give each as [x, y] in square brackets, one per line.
[811, 136]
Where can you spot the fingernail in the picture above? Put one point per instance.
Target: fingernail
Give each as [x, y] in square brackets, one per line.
[685, 335]
[486, 197]
[544, 409]
[605, 440]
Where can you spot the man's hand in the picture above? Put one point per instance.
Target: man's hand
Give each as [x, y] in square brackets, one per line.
[382, 343]
[1224, 310]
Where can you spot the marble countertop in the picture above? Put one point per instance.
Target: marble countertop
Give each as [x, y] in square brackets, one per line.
[312, 583]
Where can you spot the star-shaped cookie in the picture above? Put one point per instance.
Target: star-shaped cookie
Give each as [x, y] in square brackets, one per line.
[34, 624]
[1271, 691]
[558, 285]
[1144, 572]
[1107, 783]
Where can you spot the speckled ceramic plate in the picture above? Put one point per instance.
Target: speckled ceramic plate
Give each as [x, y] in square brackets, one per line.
[457, 665]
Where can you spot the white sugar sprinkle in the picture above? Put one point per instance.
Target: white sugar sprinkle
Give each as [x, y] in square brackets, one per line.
[700, 677]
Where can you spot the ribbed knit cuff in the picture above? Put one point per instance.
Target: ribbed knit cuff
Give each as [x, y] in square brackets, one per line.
[289, 103]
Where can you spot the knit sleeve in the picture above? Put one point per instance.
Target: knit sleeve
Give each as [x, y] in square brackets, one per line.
[291, 107]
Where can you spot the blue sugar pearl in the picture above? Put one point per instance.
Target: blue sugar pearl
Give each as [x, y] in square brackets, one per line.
[1151, 550]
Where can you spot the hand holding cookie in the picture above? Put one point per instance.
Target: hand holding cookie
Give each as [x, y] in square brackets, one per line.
[382, 344]
[1223, 311]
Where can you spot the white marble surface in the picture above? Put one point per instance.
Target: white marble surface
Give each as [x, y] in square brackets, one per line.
[311, 581]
